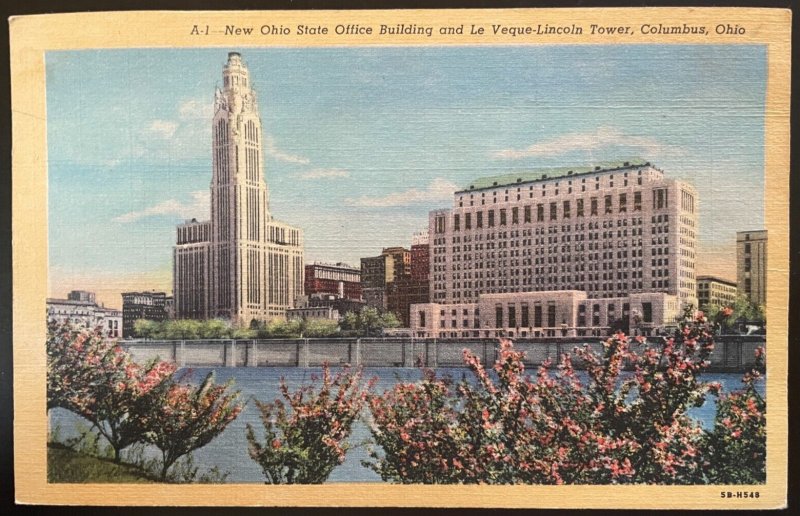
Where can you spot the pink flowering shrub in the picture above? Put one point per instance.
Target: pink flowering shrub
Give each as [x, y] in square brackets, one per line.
[738, 442]
[305, 434]
[419, 432]
[97, 380]
[507, 427]
[186, 417]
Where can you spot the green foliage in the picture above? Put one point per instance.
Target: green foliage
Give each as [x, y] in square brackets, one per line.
[305, 433]
[318, 328]
[369, 322]
[65, 465]
[146, 329]
[741, 310]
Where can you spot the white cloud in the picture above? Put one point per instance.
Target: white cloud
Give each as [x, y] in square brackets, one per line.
[193, 109]
[273, 151]
[198, 206]
[590, 141]
[439, 190]
[163, 128]
[325, 173]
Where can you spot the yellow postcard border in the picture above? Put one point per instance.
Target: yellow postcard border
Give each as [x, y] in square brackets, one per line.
[32, 36]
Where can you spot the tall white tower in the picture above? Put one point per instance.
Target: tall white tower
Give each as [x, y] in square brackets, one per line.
[254, 263]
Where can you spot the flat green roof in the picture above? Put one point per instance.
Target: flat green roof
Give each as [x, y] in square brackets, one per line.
[545, 174]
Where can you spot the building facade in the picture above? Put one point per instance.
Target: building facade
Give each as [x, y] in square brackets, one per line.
[613, 232]
[339, 280]
[80, 308]
[379, 272]
[714, 291]
[241, 264]
[151, 306]
[751, 265]
[313, 312]
[610, 231]
[565, 313]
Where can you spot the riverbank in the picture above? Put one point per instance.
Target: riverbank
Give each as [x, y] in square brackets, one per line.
[65, 465]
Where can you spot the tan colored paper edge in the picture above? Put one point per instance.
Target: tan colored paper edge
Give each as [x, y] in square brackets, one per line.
[32, 36]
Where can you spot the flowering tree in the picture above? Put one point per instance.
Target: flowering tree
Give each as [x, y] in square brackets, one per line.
[416, 426]
[186, 417]
[305, 434]
[96, 379]
[506, 427]
[738, 442]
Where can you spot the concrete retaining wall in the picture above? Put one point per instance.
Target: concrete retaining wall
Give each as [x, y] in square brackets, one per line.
[731, 353]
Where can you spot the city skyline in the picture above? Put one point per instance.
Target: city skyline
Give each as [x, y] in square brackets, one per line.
[368, 141]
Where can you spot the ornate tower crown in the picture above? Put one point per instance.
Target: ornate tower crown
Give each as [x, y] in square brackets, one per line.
[236, 95]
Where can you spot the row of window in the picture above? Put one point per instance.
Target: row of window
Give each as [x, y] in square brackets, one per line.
[527, 212]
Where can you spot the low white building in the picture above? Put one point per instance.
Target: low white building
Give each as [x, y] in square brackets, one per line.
[81, 309]
[544, 314]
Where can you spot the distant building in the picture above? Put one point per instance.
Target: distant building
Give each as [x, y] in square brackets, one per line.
[714, 291]
[242, 264]
[397, 278]
[81, 295]
[313, 312]
[169, 307]
[80, 308]
[378, 272]
[142, 305]
[340, 280]
[567, 313]
[751, 265]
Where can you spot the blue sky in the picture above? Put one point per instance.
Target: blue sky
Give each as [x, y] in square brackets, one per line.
[362, 143]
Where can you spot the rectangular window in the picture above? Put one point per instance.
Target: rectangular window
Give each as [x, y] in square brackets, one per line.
[595, 315]
[515, 215]
[512, 316]
[537, 316]
[623, 202]
[498, 317]
[439, 222]
[491, 218]
[422, 318]
[594, 206]
[637, 201]
[747, 248]
[479, 221]
[553, 210]
[502, 216]
[747, 264]
[468, 221]
[540, 213]
[551, 316]
[456, 222]
[608, 204]
[525, 316]
[647, 312]
[527, 213]
[660, 198]
[580, 207]
[567, 209]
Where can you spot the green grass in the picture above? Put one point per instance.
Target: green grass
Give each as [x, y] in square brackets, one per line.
[65, 465]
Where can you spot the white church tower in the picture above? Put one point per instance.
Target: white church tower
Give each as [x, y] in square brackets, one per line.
[242, 264]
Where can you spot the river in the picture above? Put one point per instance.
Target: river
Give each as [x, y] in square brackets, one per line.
[229, 450]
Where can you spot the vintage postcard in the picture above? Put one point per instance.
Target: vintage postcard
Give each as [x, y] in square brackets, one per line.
[453, 258]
